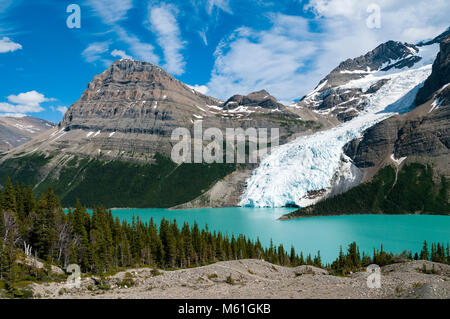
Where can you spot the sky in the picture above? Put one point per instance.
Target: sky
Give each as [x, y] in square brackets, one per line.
[219, 47]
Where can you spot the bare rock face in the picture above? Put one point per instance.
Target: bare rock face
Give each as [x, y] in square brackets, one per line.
[440, 75]
[425, 138]
[15, 131]
[135, 97]
[332, 99]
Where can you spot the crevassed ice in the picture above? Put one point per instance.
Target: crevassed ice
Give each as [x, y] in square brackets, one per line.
[309, 163]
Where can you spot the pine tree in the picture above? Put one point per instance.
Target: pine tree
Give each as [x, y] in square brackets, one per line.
[8, 200]
[424, 255]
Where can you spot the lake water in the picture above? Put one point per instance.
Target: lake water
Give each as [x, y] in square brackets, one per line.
[327, 234]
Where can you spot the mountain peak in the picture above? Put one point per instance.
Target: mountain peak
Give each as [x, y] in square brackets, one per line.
[260, 98]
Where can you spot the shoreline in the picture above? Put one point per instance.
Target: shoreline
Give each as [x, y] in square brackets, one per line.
[285, 217]
[290, 217]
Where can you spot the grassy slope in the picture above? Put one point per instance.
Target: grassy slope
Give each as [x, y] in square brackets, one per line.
[413, 192]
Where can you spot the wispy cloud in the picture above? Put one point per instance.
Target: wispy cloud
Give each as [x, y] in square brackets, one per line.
[203, 36]
[7, 45]
[111, 11]
[223, 5]
[62, 109]
[121, 54]
[94, 52]
[140, 50]
[164, 24]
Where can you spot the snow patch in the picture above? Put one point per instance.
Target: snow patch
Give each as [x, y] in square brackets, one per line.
[399, 161]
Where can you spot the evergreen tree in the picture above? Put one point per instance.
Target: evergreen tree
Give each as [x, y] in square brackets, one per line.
[8, 200]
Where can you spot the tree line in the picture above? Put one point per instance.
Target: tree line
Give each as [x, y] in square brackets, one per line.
[102, 244]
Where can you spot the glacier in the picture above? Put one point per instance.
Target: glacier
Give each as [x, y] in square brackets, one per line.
[311, 163]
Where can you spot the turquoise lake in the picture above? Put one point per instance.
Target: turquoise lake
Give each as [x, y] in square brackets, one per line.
[327, 234]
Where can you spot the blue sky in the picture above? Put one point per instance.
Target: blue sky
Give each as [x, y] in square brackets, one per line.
[221, 47]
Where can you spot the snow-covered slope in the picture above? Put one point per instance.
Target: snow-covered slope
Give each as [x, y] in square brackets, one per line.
[309, 168]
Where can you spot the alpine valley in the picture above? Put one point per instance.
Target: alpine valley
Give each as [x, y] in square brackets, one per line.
[375, 129]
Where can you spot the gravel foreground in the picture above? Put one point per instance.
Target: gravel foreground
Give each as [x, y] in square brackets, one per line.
[257, 279]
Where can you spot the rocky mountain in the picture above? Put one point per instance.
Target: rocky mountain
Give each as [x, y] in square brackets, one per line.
[336, 96]
[260, 99]
[142, 104]
[422, 135]
[15, 131]
[440, 76]
[122, 126]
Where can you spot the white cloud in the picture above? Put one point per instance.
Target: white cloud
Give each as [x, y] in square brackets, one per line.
[111, 11]
[223, 5]
[164, 24]
[10, 108]
[121, 54]
[62, 109]
[31, 98]
[28, 102]
[12, 114]
[203, 89]
[6, 45]
[202, 35]
[94, 52]
[140, 50]
[401, 20]
[275, 60]
[288, 60]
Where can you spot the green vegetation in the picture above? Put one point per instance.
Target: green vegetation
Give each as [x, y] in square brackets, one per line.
[413, 192]
[24, 169]
[352, 260]
[119, 184]
[100, 244]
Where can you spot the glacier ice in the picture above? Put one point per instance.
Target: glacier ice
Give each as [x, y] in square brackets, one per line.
[309, 163]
